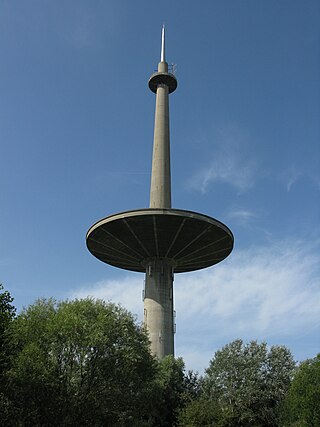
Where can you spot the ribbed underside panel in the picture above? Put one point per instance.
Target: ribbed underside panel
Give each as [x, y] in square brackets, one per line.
[191, 240]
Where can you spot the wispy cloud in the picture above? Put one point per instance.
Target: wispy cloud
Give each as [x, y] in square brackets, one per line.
[290, 176]
[241, 213]
[270, 282]
[231, 163]
[270, 292]
[126, 291]
[242, 216]
[264, 293]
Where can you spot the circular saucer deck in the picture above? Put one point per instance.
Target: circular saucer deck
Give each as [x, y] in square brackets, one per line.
[190, 240]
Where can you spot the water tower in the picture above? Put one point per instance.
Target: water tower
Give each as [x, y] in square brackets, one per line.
[160, 240]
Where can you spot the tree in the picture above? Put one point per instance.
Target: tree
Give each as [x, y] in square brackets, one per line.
[7, 314]
[173, 389]
[81, 362]
[249, 381]
[167, 392]
[200, 412]
[301, 407]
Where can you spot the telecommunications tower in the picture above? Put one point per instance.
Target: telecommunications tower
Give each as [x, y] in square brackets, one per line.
[160, 241]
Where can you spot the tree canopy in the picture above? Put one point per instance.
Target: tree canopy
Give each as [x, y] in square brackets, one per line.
[243, 386]
[7, 314]
[301, 407]
[81, 362]
[7, 310]
[88, 363]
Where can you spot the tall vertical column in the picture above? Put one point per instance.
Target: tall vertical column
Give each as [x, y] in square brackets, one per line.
[160, 193]
[158, 301]
[158, 307]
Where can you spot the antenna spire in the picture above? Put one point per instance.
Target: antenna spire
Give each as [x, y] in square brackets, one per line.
[163, 52]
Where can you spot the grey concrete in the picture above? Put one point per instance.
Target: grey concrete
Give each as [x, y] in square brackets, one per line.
[190, 240]
[160, 192]
[160, 241]
[158, 306]
[158, 301]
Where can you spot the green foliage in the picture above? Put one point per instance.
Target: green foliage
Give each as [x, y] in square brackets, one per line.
[7, 314]
[81, 362]
[173, 389]
[249, 381]
[87, 363]
[200, 412]
[168, 391]
[192, 384]
[301, 407]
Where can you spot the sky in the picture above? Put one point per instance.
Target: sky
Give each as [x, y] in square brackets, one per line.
[76, 133]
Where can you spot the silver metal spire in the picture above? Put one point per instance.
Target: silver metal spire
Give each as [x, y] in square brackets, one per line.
[163, 52]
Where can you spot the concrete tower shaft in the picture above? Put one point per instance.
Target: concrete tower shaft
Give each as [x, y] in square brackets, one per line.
[160, 241]
[158, 307]
[161, 83]
[160, 192]
[158, 300]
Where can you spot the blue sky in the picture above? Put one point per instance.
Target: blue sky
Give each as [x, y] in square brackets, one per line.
[76, 130]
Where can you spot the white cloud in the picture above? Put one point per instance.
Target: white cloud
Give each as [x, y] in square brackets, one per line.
[230, 171]
[269, 283]
[231, 163]
[291, 176]
[242, 214]
[126, 291]
[264, 293]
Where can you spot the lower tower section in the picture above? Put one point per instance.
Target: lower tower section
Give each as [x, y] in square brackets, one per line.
[158, 306]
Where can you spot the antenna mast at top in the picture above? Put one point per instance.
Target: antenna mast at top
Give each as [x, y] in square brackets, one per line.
[163, 53]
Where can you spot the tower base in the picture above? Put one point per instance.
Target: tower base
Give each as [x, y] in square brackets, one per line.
[158, 307]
